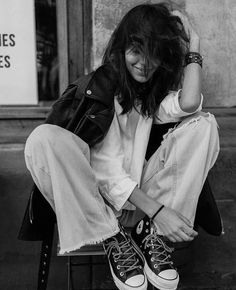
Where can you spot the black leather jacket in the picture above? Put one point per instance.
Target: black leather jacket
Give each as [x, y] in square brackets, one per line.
[87, 108]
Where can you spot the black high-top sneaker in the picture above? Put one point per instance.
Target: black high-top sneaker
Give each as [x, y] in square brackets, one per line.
[158, 265]
[126, 262]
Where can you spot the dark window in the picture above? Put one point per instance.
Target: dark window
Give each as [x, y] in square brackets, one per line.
[47, 50]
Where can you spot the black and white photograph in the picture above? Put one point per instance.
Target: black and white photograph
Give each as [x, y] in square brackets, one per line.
[118, 144]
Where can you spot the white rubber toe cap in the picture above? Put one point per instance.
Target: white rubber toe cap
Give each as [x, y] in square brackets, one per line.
[135, 281]
[169, 274]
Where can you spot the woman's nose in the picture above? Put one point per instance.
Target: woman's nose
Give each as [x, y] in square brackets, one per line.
[142, 61]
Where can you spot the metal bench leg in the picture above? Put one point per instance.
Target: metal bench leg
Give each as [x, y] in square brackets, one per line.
[70, 283]
[69, 274]
[91, 272]
[45, 257]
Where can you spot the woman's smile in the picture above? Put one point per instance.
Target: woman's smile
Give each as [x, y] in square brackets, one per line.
[143, 70]
[137, 66]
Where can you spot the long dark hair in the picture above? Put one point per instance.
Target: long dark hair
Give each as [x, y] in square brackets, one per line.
[155, 32]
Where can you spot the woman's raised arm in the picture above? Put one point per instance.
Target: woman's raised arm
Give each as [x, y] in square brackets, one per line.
[190, 96]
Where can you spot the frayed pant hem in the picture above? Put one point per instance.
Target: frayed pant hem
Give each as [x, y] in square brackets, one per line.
[87, 243]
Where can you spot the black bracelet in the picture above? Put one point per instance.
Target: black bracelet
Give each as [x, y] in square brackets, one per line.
[193, 57]
[156, 213]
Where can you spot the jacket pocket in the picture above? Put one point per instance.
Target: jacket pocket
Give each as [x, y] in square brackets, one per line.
[94, 126]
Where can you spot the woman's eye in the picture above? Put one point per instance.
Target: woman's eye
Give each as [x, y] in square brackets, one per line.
[135, 51]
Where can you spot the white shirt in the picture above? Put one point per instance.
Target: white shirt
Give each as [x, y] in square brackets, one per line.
[118, 160]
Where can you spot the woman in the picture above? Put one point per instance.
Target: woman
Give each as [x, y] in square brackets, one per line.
[97, 178]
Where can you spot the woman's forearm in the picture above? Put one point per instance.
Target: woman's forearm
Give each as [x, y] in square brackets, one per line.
[191, 91]
[171, 224]
[190, 97]
[144, 202]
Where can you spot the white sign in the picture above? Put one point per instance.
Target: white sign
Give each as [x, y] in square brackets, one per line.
[18, 72]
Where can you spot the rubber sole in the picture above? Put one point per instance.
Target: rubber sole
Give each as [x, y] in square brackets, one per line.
[159, 282]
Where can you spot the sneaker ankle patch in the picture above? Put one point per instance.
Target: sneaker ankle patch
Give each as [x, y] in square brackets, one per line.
[139, 227]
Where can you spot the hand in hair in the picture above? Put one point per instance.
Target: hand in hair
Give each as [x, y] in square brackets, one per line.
[188, 26]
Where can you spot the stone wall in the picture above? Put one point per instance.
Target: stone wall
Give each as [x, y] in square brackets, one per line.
[216, 23]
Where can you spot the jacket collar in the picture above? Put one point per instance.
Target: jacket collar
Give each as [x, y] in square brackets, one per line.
[101, 85]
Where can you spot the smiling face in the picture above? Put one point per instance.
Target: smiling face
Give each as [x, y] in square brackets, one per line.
[138, 67]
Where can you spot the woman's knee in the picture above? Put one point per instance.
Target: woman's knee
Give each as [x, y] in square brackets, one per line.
[200, 122]
[198, 128]
[43, 134]
[208, 124]
[54, 137]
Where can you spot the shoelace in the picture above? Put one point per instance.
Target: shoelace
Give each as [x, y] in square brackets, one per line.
[158, 248]
[124, 255]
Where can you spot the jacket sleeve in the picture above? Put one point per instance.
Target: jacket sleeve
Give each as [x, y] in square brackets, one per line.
[62, 109]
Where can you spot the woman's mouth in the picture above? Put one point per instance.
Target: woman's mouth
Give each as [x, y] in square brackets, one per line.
[142, 71]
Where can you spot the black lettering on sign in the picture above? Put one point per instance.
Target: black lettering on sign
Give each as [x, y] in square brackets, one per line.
[12, 40]
[5, 61]
[1, 61]
[4, 40]
[7, 39]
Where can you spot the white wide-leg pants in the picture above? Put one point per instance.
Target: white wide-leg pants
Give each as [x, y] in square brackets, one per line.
[59, 162]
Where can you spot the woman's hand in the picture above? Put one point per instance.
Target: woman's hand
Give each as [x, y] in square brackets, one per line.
[190, 30]
[174, 226]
